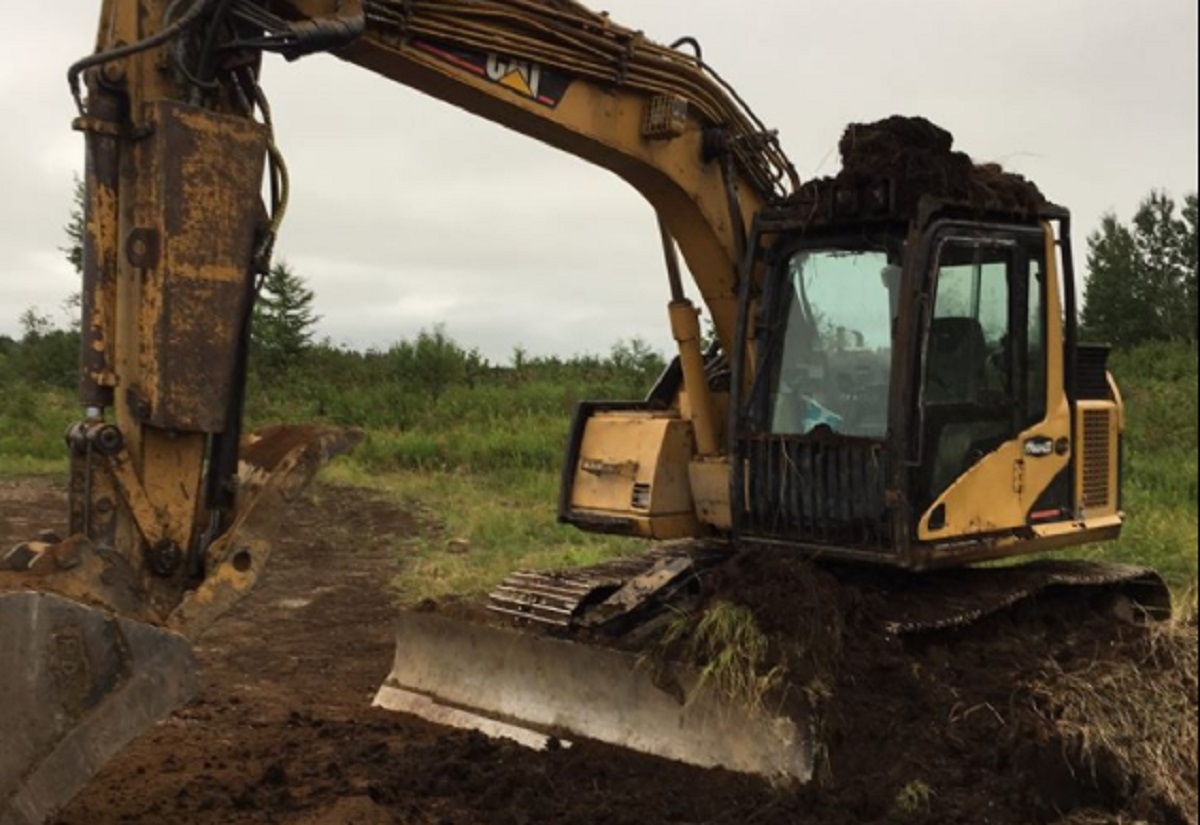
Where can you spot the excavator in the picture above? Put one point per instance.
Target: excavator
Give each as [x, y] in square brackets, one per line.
[896, 384]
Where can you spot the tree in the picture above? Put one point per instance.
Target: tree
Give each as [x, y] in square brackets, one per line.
[76, 229]
[1188, 264]
[636, 361]
[45, 355]
[1143, 276]
[35, 325]
[283, 319]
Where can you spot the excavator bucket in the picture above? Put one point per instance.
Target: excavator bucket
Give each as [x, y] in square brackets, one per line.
[76, 685]
[535, 689]
[84, 669]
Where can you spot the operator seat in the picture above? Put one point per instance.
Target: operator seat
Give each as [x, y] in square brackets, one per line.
[958, 423]
[957, 361]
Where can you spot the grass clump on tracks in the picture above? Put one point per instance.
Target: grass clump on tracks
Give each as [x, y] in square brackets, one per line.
[732, 653]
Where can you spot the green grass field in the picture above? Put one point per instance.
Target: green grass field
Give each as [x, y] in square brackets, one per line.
[477, 458]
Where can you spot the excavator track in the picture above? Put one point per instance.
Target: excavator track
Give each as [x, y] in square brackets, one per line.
[952, 599]
[554, 663]
[604, 593]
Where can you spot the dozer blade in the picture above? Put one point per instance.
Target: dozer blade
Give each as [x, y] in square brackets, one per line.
[533, 688]
[78, 685]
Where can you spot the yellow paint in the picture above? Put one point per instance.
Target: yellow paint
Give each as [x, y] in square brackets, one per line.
[513, 80]
[710, 490]
[634, 465]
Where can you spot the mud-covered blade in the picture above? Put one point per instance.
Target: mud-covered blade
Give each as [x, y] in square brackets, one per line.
[527, 687]
[79, 684]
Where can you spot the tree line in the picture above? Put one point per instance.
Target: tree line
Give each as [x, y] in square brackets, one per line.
[1142, 288]
[1142, 284]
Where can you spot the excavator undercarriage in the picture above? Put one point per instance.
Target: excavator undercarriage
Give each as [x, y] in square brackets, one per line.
[578, 654]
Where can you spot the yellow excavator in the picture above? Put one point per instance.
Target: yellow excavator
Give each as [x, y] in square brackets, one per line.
[896, 383]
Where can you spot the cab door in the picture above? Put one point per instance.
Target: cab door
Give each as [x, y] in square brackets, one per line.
[993, 418]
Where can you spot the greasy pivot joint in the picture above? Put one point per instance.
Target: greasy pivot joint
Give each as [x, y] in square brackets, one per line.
[105, 439]
[164, 558]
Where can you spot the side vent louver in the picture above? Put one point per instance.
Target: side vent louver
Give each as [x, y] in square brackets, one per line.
[1097, 449]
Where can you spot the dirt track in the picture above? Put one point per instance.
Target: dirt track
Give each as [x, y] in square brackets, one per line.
[282, 731]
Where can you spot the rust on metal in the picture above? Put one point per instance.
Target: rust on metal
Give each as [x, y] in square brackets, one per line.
[197, 254]
[277, 464]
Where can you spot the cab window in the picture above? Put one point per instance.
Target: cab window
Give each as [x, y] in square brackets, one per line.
[833, 370]
[985, 361]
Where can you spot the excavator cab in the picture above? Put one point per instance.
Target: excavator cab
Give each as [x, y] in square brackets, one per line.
[906, 377]
[905, 389]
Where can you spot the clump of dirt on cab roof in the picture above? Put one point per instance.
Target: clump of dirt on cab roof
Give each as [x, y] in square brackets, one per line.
[919, 156]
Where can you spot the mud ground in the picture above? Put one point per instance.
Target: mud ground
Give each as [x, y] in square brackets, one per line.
[282, 732]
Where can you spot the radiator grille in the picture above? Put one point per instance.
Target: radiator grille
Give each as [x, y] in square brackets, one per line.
[822, 493]
[1097, 451]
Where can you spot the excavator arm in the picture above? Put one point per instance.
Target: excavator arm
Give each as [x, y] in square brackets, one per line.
[179, 135]
[172, 506]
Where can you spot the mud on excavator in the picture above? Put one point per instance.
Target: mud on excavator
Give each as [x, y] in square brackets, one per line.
[897, 384]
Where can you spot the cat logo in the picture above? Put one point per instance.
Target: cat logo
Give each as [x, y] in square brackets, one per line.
[522, 77]
[530, 80]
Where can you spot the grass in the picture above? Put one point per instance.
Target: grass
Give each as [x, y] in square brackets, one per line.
[914, 798]
[480, 527]
[1121, 716]
[480, 458]
[23, 465]
[33, 421]
[733, 654]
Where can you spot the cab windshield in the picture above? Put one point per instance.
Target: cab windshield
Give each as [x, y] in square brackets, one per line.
[833, 373]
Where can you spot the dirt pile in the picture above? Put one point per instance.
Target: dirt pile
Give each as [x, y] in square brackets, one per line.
[1052, 713]
[919, 159]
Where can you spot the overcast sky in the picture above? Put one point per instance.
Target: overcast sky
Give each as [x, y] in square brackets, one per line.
[407, 213]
